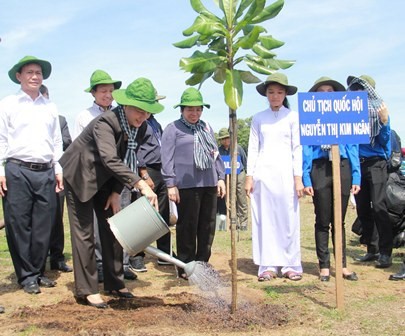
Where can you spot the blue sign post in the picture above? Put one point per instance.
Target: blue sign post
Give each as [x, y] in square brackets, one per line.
[328, 118]
[333, 118]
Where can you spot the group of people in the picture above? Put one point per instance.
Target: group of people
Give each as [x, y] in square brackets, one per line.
[117, 154]
[275, 185]
[121, 153]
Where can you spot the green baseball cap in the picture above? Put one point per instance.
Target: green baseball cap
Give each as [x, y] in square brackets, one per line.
[327, 81]
[278, 78]
[45, 66]
[192, 97]
[140, 93]
[101, 77]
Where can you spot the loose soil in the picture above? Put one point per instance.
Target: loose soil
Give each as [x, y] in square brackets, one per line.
[166, 305]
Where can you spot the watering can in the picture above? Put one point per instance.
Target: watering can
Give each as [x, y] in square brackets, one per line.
[137, 226]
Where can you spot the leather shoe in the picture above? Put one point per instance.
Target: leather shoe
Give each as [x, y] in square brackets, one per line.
[384, 261]
[46, 282]
[32, 287]
[125, 295]
[2, 310]
[61, 266]
[324, 278]
[128, 275]
[368, 257]
[352, 276]
[84, 301]
[400, 275]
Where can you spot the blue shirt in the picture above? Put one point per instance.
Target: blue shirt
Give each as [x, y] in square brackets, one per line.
[310, 153]
[382, 144]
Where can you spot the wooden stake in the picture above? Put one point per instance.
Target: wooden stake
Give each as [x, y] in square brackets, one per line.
[337, 207]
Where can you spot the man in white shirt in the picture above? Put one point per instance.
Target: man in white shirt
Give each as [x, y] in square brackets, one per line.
[30, 147]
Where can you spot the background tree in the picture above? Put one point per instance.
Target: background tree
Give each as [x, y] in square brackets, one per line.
[224, 38]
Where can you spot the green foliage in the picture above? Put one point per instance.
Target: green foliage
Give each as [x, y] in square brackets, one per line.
[225, 36]
[243, 128]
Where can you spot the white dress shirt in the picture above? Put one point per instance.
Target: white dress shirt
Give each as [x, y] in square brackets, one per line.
[85, 117]
[29, 130]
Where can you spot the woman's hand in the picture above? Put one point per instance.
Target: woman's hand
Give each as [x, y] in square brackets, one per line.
[309, 191]
[113, 201]
[249, 185]
[299, 186]
[146, 191]
[174, 195]
[355, 189]
[221, 188]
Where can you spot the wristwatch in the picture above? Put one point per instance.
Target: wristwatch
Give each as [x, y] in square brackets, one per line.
[145, 177]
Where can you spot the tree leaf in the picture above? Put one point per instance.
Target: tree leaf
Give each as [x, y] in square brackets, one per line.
[187, 43]
[261, 69]
[229, 9]
[262, 51]
[243, 5]
[269, 12]
[195, 79]
[200, 62]
[279, 64]
[269, 42]
[219, 75]
[248, 78]
[233, 89]
[249, 40]
[200, 8]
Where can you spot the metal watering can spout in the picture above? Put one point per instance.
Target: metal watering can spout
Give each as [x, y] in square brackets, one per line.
[188, 268]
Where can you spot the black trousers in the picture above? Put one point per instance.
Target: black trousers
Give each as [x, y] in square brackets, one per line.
[29, 208]
[81, 218]
[372, 208]
[322, 183]
[57, 241]
[195, 228]
[163, 243]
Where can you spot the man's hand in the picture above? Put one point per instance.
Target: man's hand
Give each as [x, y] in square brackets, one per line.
[3, 186]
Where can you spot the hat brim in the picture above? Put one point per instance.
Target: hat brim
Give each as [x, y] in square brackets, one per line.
[290, 89]
[196, 103]
[349, 79]
[117, 84]
[45, 66]
[224, 137]
[335, 84]
[121, 98]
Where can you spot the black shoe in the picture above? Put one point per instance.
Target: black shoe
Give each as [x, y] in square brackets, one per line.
[351, 277]
[85, 301]
[368, 257]
[128, 275]
[384, 261]
[324, 278]
[124, 295]
[32, 287]
[61, 266]
[43, 281]
[137, 264]
[162, 262]
[398, 276]
[2, 310]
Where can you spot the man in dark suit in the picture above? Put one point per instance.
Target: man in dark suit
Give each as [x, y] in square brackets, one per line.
[96, 167]
[57, 240]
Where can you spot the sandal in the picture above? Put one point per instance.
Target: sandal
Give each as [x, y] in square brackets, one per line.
[266, 276]
[294, 276]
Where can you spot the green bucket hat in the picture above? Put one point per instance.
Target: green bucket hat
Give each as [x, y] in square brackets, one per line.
[101, 77]
[192, 97]
[223, 133]
[367, 78]
[140, 93]
[278, 78]
[327, 81]
[45, 65]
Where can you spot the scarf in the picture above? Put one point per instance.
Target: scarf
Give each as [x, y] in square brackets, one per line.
[130, 155]
[374, 104]
[205, 145]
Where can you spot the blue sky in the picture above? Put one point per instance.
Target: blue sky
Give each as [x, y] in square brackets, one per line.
[133, 38]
